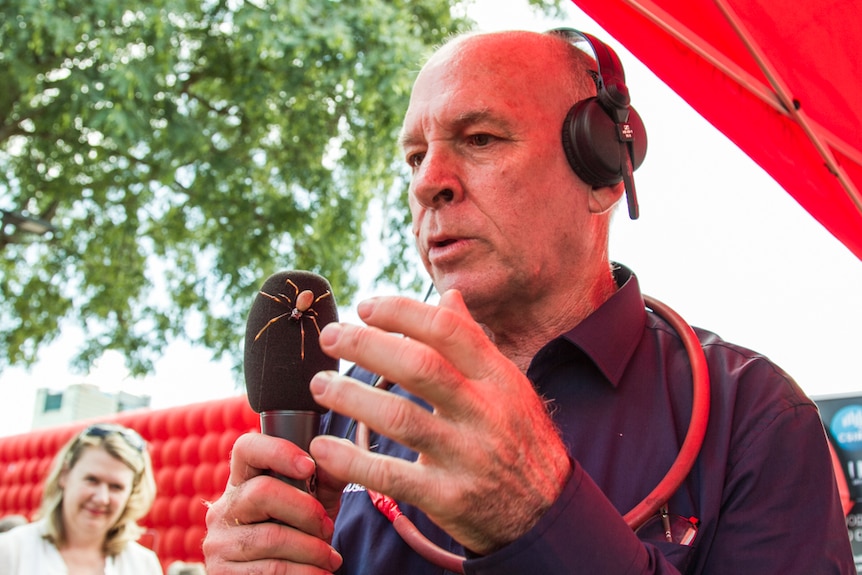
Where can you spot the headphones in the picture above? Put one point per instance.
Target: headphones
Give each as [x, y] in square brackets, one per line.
[604, 137]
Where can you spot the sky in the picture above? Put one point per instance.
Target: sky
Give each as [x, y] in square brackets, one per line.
[717, 239]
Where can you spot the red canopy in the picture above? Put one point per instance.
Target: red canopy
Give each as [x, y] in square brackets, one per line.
[782, 80]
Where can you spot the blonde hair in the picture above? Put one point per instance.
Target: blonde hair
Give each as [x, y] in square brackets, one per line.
[121, 443]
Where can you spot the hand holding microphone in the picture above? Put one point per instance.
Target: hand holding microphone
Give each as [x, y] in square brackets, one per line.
[258, 520]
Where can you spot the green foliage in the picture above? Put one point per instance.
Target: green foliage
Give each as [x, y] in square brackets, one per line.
[186, 149]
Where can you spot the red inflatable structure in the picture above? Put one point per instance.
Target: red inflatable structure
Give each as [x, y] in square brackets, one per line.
[190, 446]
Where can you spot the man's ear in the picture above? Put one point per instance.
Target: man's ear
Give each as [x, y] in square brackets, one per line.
[606, 197]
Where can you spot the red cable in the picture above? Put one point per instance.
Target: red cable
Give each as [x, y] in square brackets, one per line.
[696, 428]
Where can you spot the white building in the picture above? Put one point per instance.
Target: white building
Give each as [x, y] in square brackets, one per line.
[80, 401]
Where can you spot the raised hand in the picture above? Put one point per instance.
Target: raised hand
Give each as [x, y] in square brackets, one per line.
[491, 461]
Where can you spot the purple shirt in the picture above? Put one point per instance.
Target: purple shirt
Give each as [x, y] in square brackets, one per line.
[762, 487]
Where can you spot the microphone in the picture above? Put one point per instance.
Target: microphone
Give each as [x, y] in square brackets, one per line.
[282, 354]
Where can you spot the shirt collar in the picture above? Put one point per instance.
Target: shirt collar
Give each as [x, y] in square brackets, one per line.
[610, 335]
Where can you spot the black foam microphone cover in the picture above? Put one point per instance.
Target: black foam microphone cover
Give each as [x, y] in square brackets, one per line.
[282, 350]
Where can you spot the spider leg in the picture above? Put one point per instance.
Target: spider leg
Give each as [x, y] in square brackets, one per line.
[270, 296]
[301, 341]
[269, 323]
[313, 318]
[327, 293]
[281, 298]
[293, 285]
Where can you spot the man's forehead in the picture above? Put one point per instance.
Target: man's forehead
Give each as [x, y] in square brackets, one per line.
[499, 58]
[469, 77]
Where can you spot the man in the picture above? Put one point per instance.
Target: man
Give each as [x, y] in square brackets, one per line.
[538, 402]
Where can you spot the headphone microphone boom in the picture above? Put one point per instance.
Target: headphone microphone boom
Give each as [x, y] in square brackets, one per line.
[282, 354]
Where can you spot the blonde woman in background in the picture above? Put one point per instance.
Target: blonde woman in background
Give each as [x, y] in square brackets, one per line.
[100, 484]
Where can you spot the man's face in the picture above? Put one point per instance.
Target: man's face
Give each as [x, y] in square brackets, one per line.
[497, 211]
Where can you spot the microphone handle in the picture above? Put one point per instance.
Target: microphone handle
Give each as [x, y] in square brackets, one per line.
[298, 427]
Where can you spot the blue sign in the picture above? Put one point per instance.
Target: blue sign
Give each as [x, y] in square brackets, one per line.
[846, 427]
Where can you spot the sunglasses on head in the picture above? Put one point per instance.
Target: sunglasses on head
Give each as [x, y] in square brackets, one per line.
[131, 436]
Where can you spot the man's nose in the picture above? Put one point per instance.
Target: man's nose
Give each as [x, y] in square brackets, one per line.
[438, 180]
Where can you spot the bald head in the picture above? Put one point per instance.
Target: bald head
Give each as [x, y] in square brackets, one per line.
[551, 57]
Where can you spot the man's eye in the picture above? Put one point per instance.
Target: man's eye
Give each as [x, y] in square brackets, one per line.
[480, 139]
[414, 160]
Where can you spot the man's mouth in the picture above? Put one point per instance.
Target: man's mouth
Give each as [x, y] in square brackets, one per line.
[444, 250]
[443, 243]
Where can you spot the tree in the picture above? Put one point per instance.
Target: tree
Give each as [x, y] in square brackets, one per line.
[186, 149]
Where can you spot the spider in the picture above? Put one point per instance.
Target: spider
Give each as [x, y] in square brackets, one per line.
[301, 307]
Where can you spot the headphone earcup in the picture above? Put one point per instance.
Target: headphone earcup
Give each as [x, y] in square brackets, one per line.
[592, 146]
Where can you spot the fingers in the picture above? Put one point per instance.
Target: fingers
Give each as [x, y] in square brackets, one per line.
[264, 548]
[261, 524]
[255, 454]
[448, 327]
[444, 351]
[252, 496]
[408, 362]
[399, 478]
[396, 417]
